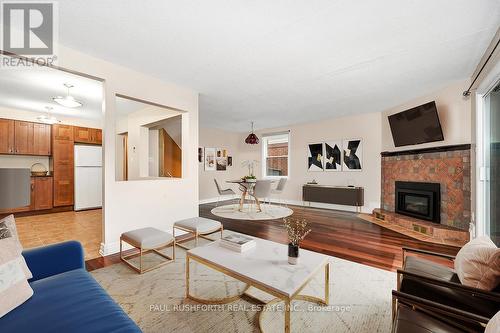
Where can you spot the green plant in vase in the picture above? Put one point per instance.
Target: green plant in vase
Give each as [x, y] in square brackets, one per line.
[250, 179]
[297, 230]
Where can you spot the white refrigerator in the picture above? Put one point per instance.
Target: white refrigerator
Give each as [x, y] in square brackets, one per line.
[88, 177]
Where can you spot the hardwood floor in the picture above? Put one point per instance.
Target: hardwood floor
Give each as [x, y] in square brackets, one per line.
[84, 226]
[337, 233]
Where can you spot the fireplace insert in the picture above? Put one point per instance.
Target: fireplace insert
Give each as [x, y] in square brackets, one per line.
[420, 200]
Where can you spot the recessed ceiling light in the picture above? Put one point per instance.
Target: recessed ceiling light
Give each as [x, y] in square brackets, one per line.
[68, 100]
[47, 118]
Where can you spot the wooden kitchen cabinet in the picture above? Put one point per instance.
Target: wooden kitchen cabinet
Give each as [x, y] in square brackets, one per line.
[82, 134]
[87, 135]
[98, 136]
[23, 137]
[6, 136]
[41, 139]
[63, 171]
[62, 132]
[42, 193]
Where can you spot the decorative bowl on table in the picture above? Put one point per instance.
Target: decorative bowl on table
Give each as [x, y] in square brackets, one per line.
[249, 179]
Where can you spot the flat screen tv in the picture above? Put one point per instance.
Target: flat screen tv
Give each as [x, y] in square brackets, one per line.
[417, 125]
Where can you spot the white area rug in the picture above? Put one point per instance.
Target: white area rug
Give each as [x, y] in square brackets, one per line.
[249, 212]
[360, 298]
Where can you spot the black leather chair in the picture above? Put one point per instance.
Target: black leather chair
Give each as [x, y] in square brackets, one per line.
[440, 284]
[417, 315]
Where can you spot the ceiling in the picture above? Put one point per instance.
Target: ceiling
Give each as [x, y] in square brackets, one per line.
[282, 62]
[33, 90]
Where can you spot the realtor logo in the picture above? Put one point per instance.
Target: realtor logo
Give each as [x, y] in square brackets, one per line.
[29, 29]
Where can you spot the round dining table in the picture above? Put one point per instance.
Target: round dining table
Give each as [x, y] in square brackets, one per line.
[246, 187]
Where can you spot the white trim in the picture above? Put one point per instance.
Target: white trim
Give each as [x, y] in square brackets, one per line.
[264, 154]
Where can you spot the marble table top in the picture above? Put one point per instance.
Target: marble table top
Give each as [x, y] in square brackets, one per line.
[266, 264]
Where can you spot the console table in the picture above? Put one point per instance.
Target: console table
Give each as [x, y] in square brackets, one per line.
[339, 195]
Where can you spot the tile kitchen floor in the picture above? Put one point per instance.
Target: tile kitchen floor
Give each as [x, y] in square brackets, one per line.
[84, 226]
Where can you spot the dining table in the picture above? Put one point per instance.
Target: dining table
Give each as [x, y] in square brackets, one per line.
[246, 187]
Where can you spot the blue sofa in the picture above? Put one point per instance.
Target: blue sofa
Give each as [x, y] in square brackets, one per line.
[66, 297]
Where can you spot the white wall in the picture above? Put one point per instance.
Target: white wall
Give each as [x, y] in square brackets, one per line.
[22, 162]
[454, 114]
[226, 140]
[366, 127]
[141, 203]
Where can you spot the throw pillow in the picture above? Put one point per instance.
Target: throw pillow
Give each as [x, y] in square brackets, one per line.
[478, 264]
[493, 325]
[8, 235]
[14, 288]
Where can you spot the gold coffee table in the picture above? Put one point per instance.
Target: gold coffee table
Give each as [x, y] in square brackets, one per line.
[266, 268]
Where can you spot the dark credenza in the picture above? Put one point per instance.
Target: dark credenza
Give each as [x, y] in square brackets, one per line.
[339, 195]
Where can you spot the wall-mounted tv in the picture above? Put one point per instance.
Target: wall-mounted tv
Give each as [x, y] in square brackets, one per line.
[417, 125]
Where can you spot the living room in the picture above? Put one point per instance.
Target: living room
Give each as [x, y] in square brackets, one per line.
[326, 167]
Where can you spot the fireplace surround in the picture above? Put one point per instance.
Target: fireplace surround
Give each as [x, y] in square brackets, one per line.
[447, 165]
[418, 199]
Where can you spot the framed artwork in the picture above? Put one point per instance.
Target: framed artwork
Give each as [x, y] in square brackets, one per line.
[352, 151]
[333, 155]
[221, 159]
[229, 161]
[315, 157]
[210, 159]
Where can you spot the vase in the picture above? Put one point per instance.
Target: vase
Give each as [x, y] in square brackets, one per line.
[293, 254]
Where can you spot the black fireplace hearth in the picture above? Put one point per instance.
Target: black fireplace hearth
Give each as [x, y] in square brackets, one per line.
[420, 200]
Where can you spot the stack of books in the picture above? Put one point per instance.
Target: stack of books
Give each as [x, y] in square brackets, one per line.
[238, 243]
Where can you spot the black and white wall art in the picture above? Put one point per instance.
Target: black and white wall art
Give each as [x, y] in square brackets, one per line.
[333, 155]
[352, 150]
[315, 157]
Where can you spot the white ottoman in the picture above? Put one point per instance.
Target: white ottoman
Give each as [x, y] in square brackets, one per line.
[197, 227]
[147, 240]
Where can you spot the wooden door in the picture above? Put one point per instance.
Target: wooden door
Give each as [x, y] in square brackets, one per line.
[63, 168]
[6, 136]
[41, 139]
[43, 193]
[62, 132]
[23, 137]
[82, 134]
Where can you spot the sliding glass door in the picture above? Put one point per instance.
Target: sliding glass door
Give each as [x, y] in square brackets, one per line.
[490, 171]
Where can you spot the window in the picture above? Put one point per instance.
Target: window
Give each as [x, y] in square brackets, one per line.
[275, 155]
[488, 162]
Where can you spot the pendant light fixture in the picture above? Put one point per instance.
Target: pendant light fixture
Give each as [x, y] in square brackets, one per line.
[48, 118]
[68, 100]
[252, 139]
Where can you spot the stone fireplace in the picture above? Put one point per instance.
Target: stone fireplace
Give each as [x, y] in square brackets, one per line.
[448, 167]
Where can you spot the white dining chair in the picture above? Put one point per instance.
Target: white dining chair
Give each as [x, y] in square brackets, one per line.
[279, 191]
[262, 190]
[223, 193]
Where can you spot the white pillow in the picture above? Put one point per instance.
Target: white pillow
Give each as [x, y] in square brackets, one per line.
[478, 264]
[493, 325]
[9, 237]
[14, 287]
